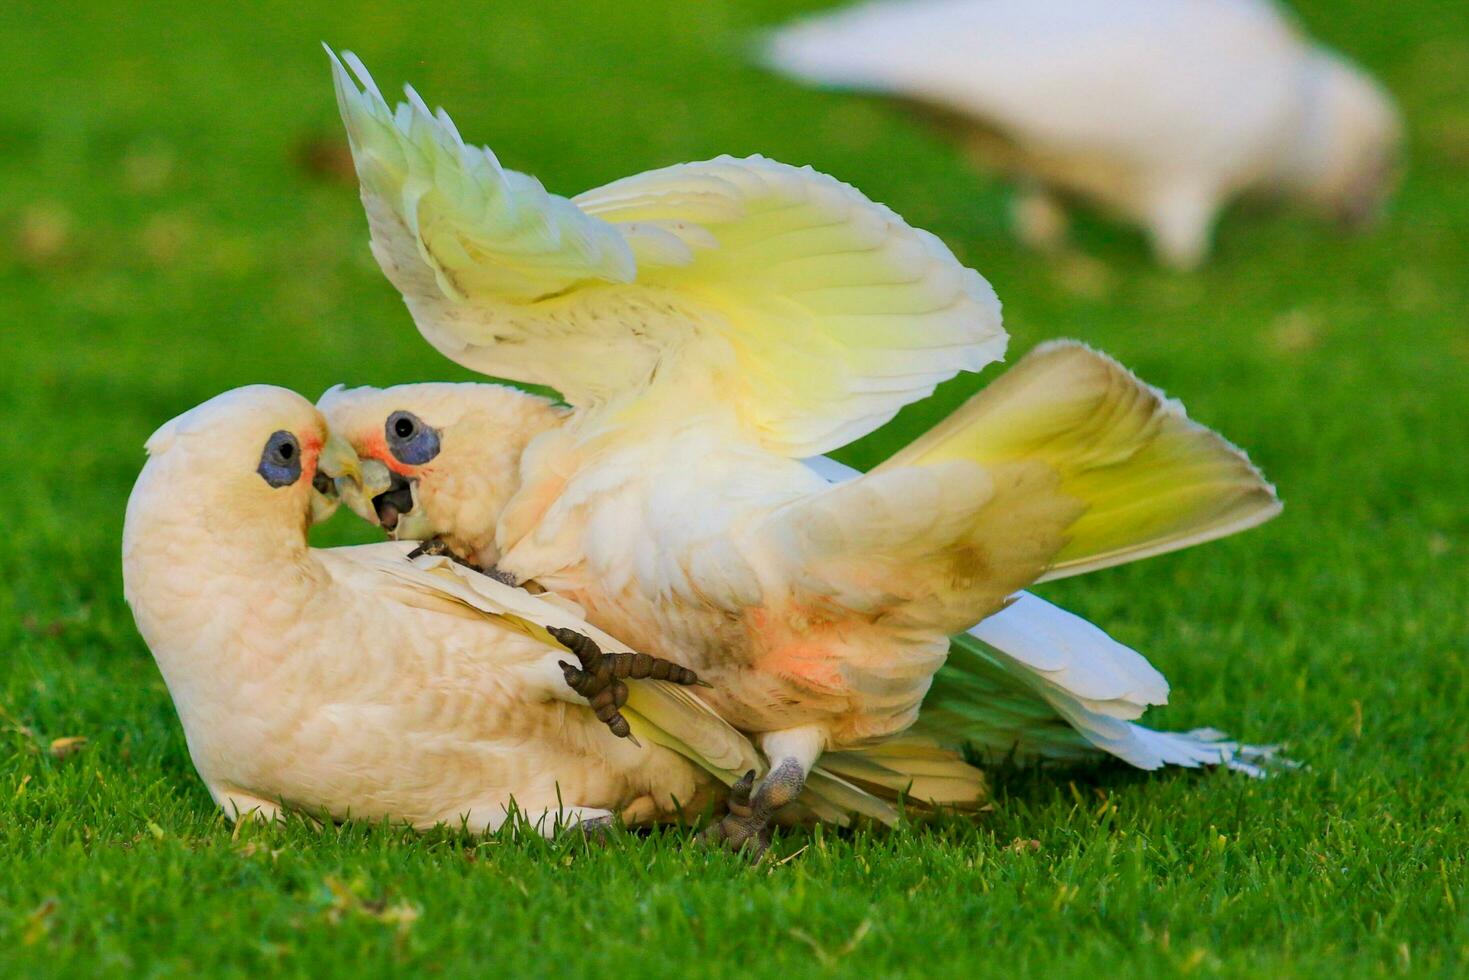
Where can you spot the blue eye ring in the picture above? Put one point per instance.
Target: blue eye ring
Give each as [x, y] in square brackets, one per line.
[280, 460]
[409, 439]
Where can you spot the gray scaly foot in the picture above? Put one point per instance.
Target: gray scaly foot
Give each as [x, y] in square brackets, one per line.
[440, 548]
[600, 677]
[746, 828]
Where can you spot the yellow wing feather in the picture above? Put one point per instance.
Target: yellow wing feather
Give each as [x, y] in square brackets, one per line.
[1151, 480]
[782, 293]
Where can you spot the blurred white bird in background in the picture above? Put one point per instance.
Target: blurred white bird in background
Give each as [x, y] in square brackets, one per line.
[1160, 111]
[352, 682]
[712, 323]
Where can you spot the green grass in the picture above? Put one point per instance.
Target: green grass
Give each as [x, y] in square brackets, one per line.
[159, 241]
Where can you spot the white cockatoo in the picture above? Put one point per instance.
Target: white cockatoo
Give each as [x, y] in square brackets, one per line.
[712, 324]
[1159, 110]
[352, 682]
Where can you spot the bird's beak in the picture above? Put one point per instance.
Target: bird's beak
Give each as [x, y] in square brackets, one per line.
[356, 480]
[339, 460]
[373, 478]
[336, 463]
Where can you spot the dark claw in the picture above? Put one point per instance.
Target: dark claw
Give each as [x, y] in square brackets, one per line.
[504, 578]
[599, 678]
[597, 830]
[738, 804]
[433, 546]
[739, 794]
[746, 827]
[440, 548]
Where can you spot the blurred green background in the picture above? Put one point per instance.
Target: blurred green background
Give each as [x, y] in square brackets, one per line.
[177, 217]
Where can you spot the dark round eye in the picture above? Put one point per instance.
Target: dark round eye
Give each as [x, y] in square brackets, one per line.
[409, 440]
[280, 460]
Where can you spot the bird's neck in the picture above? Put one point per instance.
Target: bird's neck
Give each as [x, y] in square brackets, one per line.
[196, 574]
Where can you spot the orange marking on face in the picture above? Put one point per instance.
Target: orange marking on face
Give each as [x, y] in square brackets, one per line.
[376, 447]
[311, 447]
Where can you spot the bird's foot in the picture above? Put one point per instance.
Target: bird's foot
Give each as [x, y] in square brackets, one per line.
[738, 829]
[600, 676]
[438, 547]
[597, 830]
[745, 828]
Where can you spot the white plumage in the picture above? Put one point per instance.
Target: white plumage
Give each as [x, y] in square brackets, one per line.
[353, 682]
[346, 682]
[1159, 110]
[669, 501]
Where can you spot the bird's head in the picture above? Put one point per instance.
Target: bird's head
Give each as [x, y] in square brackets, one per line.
[259, 459]
[1348, 157]
[439, 460]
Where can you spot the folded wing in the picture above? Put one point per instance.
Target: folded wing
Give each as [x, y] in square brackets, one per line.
[658, 712]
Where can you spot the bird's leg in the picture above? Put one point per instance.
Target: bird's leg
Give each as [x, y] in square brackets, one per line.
[1180, 220]
[590, 822]
[1039, 219]
[600, 676]
[438, 547]
[238, 805]
[549, 822]
[746, 827]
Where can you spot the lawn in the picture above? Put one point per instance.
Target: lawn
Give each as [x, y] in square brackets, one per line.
[175, 220]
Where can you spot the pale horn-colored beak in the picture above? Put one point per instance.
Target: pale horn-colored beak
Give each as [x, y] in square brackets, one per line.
[338, 459]
[356, 480]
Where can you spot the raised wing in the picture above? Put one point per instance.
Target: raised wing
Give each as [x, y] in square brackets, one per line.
[933, 546]
[776, 292]
[467, 224]
[1151, 480]
[1065, 464]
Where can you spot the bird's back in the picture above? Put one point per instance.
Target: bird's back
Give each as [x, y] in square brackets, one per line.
[340, 691]
[1111, 76]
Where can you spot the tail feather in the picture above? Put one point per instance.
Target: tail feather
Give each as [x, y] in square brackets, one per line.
[1210, 747]
[912, 768]
[1036, 683]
